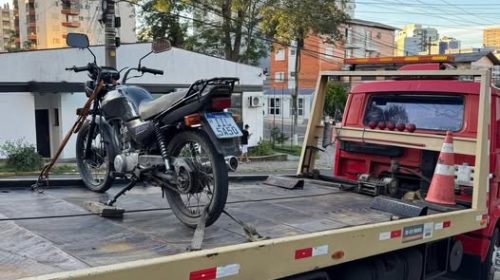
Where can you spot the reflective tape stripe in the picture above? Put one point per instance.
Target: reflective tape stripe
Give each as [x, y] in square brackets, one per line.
[442, 169]
[215, 272]
[447, 148]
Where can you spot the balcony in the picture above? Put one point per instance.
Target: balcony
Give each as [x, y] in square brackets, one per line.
[71, 24]
[70, 11]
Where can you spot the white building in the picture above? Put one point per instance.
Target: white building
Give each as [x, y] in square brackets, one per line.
[43, 24]
[44, 118]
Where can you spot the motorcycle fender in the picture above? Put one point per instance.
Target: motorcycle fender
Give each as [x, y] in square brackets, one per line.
[108, 132]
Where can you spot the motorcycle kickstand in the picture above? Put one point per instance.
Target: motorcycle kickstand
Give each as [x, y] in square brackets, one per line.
[127, 188]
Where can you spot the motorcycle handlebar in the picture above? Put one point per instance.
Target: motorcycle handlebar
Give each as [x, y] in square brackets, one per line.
[152, 71]
[79, 69]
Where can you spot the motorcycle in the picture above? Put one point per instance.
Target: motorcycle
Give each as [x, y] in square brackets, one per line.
[177, 142]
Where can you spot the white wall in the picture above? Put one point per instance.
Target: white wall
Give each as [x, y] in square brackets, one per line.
[17, 114]
[180, 66]
[254, 117]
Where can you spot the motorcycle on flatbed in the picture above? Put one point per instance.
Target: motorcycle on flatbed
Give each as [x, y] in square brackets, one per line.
[176, 142]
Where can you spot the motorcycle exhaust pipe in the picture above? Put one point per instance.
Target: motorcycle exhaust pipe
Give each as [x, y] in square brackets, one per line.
[232, 163]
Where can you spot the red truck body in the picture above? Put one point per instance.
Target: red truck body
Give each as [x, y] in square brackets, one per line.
[351, 163]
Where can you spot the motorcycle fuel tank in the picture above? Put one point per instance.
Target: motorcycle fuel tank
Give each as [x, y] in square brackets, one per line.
[123, 102]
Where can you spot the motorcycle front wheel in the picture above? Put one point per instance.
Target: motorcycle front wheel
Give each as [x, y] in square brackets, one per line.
[95, 168]
[206, 186]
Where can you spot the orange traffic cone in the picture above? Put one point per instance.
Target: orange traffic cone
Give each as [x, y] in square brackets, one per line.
[442, 188]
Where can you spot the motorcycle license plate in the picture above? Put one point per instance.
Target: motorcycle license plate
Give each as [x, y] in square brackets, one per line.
[223, 125]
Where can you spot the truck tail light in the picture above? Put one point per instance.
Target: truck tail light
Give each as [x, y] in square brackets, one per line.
[221, 103]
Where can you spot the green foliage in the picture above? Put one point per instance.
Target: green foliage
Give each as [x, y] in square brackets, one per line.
[277, 136]
[21, 156]
[291, 150]
[335, 99]
[223, 28]
[263, 148]
[160, 19]
[289, 20]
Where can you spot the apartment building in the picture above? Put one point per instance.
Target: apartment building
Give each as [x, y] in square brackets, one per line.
[491, 39]
[361, 39]
[414, 39]
[43, 24]
[6, 28]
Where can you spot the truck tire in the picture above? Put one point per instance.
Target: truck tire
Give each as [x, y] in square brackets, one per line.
[487, 268]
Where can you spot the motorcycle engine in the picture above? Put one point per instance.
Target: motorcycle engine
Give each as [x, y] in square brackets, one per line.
[126, 162]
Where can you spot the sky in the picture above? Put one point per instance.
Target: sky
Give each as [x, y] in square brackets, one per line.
[461, 19]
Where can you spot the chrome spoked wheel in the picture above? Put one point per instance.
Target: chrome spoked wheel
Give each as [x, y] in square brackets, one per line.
[201, 176]
[95, 165]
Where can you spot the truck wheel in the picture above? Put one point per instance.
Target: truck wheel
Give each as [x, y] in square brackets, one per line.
[488, 269]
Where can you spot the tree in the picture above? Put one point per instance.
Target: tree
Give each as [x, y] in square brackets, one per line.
[161, 20]
[292, 20]
[335, 99]
[223, 28]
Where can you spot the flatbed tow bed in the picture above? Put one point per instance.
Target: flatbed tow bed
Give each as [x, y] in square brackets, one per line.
[66, 237]
[317, 227]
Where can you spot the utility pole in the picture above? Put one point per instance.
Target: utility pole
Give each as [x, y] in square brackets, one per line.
[109, 32]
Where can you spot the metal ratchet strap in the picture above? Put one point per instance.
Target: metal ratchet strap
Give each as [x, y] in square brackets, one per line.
[199, 232]
[250, 231]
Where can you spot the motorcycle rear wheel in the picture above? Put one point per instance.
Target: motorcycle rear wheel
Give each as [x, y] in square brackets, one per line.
[95, 171]
[211, 191]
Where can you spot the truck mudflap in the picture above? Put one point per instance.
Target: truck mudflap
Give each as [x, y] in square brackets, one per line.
[477, 246]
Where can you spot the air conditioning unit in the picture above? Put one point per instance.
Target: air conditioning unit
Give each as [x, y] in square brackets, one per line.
[255, 101]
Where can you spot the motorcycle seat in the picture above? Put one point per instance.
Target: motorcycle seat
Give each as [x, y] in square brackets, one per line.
[152, 108]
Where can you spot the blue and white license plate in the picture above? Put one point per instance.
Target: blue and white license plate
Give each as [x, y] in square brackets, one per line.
[223, 125]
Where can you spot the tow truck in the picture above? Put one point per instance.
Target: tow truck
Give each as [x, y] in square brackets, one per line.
[365, 220]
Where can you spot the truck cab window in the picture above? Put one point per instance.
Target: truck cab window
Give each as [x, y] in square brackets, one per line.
[432, 112]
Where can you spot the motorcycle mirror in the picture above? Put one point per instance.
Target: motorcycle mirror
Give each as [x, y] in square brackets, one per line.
[77, 40]
[161, 45]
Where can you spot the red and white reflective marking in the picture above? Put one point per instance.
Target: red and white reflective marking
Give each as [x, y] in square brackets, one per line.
[483, 219]
[441, 225]
[311, 252]
[386, 235]
[215, 272]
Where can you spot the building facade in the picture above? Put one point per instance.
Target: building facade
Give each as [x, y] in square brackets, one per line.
[43, 24]
[362, 39]
[491, 39]
[45, 117]
[7, 30]
[414, 39]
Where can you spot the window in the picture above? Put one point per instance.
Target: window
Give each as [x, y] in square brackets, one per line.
[279, 76]
[300, 107]
[292, 74]
[293, 52]
[328, 52]
[433, 112]
[279, 54]
[273, 106]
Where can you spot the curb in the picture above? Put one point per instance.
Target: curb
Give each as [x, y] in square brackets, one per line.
[77, 182]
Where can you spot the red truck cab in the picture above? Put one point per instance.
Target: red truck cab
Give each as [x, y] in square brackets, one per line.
[426, 106]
